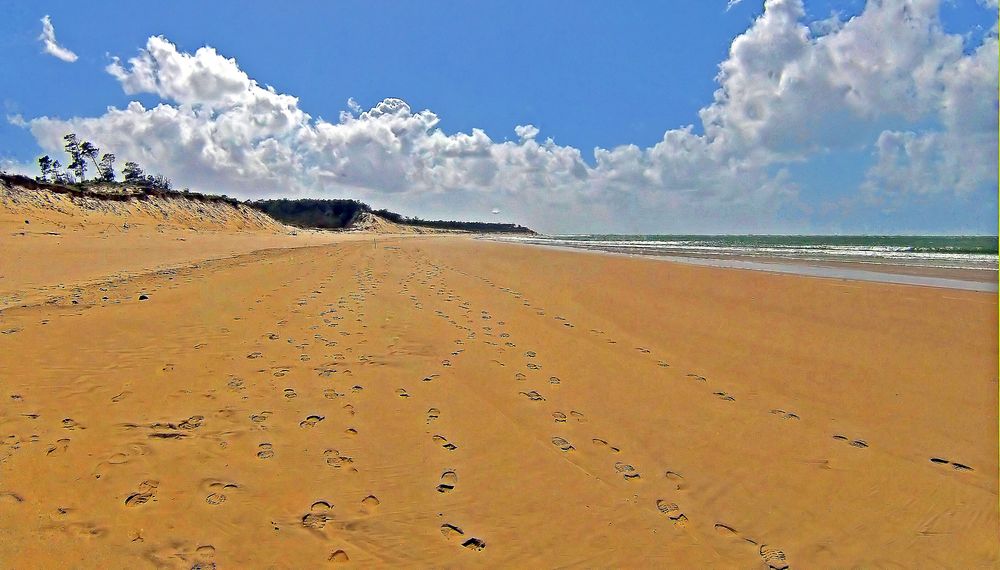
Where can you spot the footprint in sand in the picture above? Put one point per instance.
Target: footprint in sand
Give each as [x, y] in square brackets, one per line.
[578, 416]
[117, 459]
[677, 479]
[319, 514]
[339, 557]
[218, 491]
[672, 511]
[9, 497]
[662, 364]
[520, 377]
[260, 418]
[370, 504]
[725, 396]
[289, 393]
[774, 559]
[145, 493]
[310, 421]
[697, 377]
[331, 394]
[443, 442]
[433, 414]
[562, 444]
[554, 380]
[454, 533]
[956, 466]
[603, 443]
[266, 451]
[194, 422]
[451, 531]
[627, 471]
[533, 396]
[402, 393]
[726, 531]
[856, 442]
[60, 446]
[71, 424]
[448, 481]
[559, 417]
[474, 544]
[785, 415]
[334, 459]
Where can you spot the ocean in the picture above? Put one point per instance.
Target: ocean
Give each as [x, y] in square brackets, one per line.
[954, 252]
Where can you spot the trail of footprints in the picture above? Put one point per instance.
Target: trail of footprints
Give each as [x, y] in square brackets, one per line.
[344, 324]
[772, 557]
[628, 472]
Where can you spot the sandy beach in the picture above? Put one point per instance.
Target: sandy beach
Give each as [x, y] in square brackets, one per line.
[260, 399]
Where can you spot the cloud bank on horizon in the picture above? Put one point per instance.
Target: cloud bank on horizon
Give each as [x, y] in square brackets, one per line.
[889, 81]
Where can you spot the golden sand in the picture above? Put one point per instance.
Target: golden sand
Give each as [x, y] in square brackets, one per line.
[448, 402]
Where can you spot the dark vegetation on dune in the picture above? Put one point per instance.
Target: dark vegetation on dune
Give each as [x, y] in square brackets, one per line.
[136, 184]
[325, 214]
[338, 214]
[485, 227]
[117, 191]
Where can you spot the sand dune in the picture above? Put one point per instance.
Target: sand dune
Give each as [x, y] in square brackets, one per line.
[441, 401]
[52, 240]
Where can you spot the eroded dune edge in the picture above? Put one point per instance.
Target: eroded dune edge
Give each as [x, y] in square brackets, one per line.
[443, 401]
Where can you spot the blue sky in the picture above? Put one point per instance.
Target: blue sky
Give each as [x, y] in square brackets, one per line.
[586, 74]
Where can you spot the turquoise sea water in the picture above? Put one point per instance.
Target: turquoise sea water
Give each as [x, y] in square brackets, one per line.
[967, 252]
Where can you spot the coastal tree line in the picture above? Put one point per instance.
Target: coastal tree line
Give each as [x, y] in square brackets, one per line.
[82, 154]
[338, 214]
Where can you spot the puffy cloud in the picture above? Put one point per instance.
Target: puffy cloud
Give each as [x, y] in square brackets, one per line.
[526, 132]
[788, 94]
[889, 80]
[924, 164]
[50, 45]
[961, 156]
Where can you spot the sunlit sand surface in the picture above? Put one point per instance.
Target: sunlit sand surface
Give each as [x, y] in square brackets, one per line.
[257, 399]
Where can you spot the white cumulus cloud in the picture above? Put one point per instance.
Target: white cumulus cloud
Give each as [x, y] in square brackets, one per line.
[787, 92]
[50, 45]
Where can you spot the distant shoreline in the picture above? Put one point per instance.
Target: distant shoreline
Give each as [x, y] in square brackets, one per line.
[982, 280]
